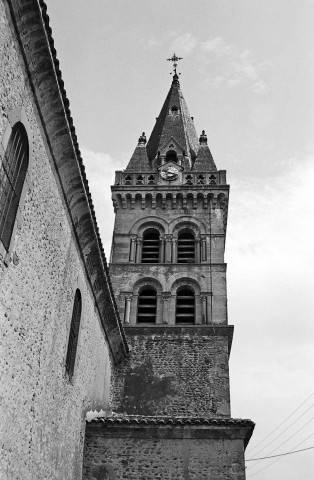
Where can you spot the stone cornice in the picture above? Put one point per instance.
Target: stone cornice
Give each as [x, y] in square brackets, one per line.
[33, 32]
[171, 427]
[180, 331]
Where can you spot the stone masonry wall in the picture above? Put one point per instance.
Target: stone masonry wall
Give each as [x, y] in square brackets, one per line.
[135, 457]
[42, 412]
[173, 372]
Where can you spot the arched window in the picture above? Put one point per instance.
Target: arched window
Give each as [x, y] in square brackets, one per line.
[12, 176]
[74, 333]
[151, 246]
[185, 308]
[186, 247]
[147, 306]
[171, 156]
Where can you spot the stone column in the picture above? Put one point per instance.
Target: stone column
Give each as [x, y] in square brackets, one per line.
[132, 250]
[162, 250]
[174, 249]
[197, 251]
[204, 308]
[128, 300]
[159, 311]
[165, 311]
[203, 249]
[138, 250]
[209, 308]
[168, 249]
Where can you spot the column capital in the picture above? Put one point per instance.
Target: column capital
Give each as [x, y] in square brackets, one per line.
[165, 296]
[127, 295]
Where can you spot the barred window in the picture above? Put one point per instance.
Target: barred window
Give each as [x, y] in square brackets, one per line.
[74, 333]
[147, 306]
[186, 247]
[151, 246]
[185, 310]
[13, 169]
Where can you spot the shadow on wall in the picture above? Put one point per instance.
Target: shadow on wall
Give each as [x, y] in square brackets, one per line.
[103, 473]
[142, 389]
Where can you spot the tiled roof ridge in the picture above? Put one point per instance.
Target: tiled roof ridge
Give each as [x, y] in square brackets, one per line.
[170, 420]
[66, 103]
[24, 15]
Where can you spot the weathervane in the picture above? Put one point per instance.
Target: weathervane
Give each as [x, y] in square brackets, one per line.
[174, 59]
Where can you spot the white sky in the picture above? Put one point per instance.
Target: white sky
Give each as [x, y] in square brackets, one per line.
[247, 77]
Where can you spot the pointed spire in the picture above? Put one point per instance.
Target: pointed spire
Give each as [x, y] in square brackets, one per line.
[174, 124]
[139, 160]
[204, 160]
[203, 138]
[142, 140]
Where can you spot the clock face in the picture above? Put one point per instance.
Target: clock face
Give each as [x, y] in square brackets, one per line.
[169, 173]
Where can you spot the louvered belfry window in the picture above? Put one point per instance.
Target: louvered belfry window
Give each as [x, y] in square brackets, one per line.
[147, 306]
[74, 333]
[185, 309]
[151, 246]
[13, 169]
[186, 247]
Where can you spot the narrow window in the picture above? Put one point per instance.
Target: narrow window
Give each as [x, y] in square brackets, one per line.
[186, 247]
[185, 309]
[151, 246]
[74, 333]
[147, 306]
[13, 171]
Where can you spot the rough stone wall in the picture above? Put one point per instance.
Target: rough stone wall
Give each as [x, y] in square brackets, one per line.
[42, 412]
[173, 373]
[129, 458]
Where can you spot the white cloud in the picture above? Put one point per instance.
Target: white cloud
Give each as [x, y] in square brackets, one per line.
[231, 66]
[183, 44]
[270, 288]
[152, 43]
[100, 169]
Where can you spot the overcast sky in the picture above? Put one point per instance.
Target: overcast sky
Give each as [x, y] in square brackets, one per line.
[247, 77]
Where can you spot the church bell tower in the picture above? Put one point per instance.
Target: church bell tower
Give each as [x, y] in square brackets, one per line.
[171, 396]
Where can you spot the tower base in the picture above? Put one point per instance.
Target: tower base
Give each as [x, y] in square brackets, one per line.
[167, 448]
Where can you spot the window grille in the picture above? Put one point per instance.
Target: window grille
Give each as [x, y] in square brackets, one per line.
[13, 169]
[128, 180]
[140, 180]
[151, 180]
[74, 333]
[186, 247]
[185, 310]
[189, 180]
[147, 306]
[201, 180]
[151, 246]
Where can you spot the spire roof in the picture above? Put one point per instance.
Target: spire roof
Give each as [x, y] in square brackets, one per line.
[139, 160]
[175, 124]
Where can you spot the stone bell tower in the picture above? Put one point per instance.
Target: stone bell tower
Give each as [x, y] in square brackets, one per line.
[171, 397]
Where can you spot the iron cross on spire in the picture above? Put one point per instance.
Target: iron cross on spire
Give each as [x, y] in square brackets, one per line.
[174, 59]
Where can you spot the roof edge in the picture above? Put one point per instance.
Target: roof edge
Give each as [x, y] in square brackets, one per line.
[159, 426]
[42, 68]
